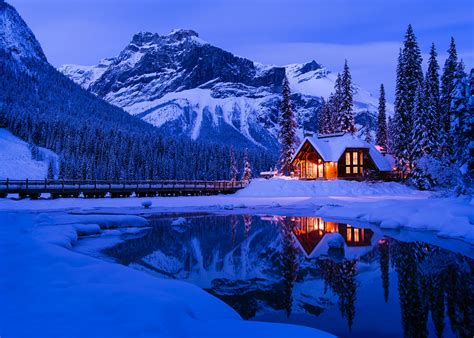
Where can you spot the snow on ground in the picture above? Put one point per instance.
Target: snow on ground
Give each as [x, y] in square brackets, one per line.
[53, 291]
[16, 161]
[49, 291]
[297, 188]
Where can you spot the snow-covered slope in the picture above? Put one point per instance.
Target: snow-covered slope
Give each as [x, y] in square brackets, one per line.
[16, 161]
[187, 86]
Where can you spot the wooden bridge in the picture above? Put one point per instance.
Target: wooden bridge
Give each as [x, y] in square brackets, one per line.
[122, 188]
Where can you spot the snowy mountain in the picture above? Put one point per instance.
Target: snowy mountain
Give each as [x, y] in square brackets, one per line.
[92, 138]
[186, 86]
[16, 38]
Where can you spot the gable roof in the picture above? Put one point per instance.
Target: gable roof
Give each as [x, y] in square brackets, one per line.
[331, 147]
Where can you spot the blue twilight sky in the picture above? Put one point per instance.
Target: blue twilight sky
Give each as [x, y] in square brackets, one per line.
[366, 32]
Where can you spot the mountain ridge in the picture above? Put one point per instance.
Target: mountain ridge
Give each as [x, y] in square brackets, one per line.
[184, 85]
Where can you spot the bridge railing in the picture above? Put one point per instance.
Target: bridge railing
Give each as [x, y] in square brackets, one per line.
[107, 185]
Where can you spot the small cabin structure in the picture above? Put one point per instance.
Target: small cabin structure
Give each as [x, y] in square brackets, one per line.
[341, 155]
[310, 233]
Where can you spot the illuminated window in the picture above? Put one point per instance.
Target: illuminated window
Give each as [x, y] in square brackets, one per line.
[354, 160]
[356, 235]
[349, 234]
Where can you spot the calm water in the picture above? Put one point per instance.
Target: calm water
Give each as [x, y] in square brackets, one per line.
[291, 269]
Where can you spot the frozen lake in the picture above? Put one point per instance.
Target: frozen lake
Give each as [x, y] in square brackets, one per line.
[351, 280]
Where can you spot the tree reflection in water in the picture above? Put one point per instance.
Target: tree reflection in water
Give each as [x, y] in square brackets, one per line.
[289, 263]
[340, 277]
[255, 264]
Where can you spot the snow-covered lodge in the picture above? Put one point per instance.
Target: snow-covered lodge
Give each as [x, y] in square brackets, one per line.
[341, 155]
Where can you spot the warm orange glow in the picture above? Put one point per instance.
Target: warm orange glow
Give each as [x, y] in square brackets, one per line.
[356, 235]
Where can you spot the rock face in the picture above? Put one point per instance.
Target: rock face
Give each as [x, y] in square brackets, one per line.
[16, 38]
[188, 87]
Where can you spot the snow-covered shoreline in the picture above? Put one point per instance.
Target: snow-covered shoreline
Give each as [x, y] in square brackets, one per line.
[51, 291]
[58, 292]
[388, 204]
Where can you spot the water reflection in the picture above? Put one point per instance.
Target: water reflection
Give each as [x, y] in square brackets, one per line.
[303, 267]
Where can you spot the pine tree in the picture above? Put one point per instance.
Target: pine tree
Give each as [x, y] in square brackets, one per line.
[462, 127]
[62, 169]
[50, 175]
[324, 118]
[390, 135]
[233, 165]
[447, 87]
[419, 139]
[431, 98]
[247, 169]
[331, 113]
[381, 136]
[421, 146]
[345, 115]
[367, 134]
[288, 138]
[409, 76]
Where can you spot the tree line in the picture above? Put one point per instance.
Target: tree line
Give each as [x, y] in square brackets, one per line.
[95, 140]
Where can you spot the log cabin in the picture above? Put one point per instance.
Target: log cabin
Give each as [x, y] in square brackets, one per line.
[339, 156]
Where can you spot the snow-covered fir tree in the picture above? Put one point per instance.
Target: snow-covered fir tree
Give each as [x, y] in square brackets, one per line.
[345, 115]
[50, 175]
[419, 137]
[390, 135]
[61, 170]
[332, 106]
[462, 128]
[288, 138]
[233, 165]
[381, 136]
[409, 76]
[420, 144]
[447, 87]
[247, 168]
[432, 114]
[325, 118]
[367, 134]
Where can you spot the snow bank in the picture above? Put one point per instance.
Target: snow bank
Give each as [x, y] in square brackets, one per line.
[49, 291]
[447, 217]
[277, 187]
[16, 161]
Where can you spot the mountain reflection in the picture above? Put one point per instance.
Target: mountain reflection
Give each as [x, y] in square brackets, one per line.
[263, 266]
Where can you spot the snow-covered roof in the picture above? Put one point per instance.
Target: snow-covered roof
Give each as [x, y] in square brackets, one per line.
[331, 147]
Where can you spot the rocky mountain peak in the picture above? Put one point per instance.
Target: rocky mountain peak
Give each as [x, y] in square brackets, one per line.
[181, 34]
[16, 39]
[310, 66]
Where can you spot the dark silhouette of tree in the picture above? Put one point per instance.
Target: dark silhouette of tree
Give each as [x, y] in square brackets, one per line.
[414, 311]
[340, 277]
[233, 227]
[289, 264]
[460, 297]
[247, 224]
[384, 267]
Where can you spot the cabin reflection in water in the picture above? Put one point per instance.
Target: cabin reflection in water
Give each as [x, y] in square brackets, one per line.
[310, 231]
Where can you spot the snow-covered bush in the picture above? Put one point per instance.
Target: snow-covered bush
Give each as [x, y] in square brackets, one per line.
[146, 204]
[430, 172]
